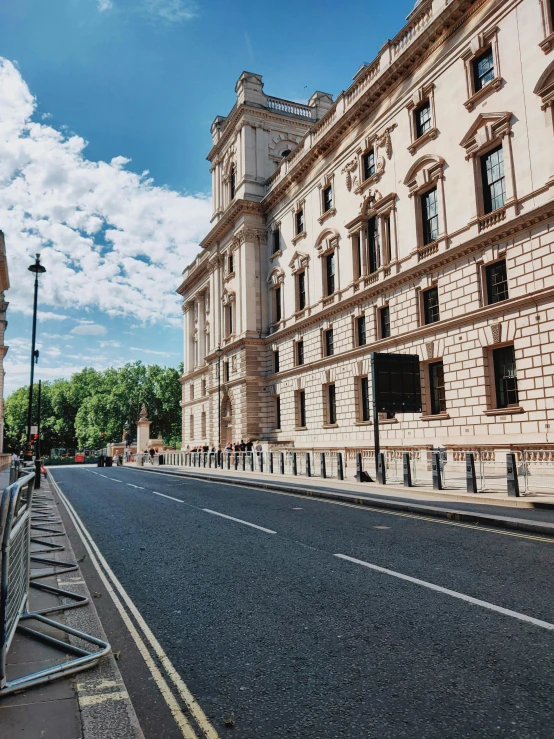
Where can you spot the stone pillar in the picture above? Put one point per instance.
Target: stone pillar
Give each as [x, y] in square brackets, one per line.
[201, 336]
[143, 430]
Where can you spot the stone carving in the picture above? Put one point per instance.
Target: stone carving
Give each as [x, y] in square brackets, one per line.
[349, 169]
[143, 415]
[430, 347]
[496, 329]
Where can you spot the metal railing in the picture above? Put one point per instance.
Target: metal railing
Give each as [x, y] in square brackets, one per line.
[17, 519]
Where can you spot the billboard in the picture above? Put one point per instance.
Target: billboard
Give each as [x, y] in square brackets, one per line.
[396, 382]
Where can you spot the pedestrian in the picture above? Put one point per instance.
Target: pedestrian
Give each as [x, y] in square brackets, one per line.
[152, 452]
[15, 458]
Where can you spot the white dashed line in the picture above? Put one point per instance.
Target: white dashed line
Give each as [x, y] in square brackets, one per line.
[138, 487]
[452, 593]
[114, 479]
[239, 520]
[167, 496]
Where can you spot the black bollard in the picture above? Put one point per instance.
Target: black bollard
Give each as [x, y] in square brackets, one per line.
[294, 463]
[407, 470]
[511, 470]
[436, 470]
[471, 479]
[323, 469]
[282, 463]
[244, 461]
[236, 461]
[340, 468]
[261, 459]
[228, 460]
[381, 469]
[271, 463]
[359, 471]
[308, 465]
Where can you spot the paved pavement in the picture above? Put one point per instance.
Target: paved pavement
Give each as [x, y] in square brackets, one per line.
[422, 627]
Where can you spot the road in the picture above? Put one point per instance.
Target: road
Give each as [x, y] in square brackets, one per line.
[420, 628]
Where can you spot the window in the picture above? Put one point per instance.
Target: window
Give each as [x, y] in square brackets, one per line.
[192, 391]
[300, 353]
[430, 216]
[276, 360]
[302, 409]
[203, 424]
[277, 412]
[366, 407]
[431, 305]
[228, 320]
[361, 331]
[230, 264]
[436, 388]
[285, 154]
[191, 426]
[204, 388]
[329, 343]
[385, 220]
[373, 244]
[483, 70]
[497, 282]
[276, 236]
[278, 311]
[327, 198]
[505, 376]
[330, 273]
[232, 183]
[357, 256]
[226, 372]
[494, 183]
[332, 400]
[301, 290]
[299, 222]
[369, 164]
[384, 322]
[423, 119]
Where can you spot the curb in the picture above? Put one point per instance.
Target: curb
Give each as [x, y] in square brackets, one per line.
[451, 514]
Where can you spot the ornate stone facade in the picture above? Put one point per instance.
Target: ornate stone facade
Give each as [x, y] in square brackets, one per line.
[414, 214]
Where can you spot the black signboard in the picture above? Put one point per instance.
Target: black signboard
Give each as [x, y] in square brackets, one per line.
[397, 382]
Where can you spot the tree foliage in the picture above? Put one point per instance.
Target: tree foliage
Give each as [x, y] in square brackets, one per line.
[75, 412]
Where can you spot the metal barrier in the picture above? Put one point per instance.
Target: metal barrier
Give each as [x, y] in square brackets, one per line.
[15, 580]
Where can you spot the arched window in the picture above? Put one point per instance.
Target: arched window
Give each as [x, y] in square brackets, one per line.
[285, 154]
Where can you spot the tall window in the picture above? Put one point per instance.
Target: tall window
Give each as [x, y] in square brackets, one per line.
[436, 386]
[431, 311]
[369, 164]
[494, 183]
[361, 331]
[357, 256]
[497, 282]
[232, 183]
[300, 353]
[299, 221]
[430, 216]
[229, 319]
[302, 408]
[483, 70]
[384, 321]
[327, 198]
[301, 290]
[276, 360]
[204, 388]
[330, 273]
[203, 424]
[226, 372]
[332, 401]
[373, 244]
[277, 299]
[230, 264]
[191, 426]
[423, 118]
[329, 343]
[277, 412]
[192, 391]
[276, 240]
[385, 220]
[366, 407]
[505, 376]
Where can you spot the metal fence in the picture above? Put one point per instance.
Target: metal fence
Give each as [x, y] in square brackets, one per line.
[18, 519]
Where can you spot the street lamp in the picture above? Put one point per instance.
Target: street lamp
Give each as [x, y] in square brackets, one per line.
[38, 269]
[219, 352]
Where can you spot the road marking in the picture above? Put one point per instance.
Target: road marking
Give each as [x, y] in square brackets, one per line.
[94, 700]
[239, 520]
[452, 593]
[138, 487]
[167, 496]
[104, 572]
[101, 475]
[115, 479]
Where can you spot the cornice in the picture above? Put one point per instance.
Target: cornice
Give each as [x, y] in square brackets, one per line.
[238, 208]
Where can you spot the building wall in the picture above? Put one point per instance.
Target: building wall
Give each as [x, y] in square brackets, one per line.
[515, 112]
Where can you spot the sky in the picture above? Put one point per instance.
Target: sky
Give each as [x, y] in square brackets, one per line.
[105, 115]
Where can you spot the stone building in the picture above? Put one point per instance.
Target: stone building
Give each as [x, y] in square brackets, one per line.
[413, 214]
[4, 285]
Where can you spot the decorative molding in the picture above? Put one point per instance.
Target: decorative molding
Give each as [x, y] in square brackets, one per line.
[349, 168]
[430, 348]
[545, 86]
[424, 172]
[276, 277]
[496, 330]
[299, 261]
[487, 128]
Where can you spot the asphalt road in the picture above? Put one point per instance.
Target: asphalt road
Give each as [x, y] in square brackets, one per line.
[269, 627]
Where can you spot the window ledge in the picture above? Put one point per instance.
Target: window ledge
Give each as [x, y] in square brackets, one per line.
[229, 277]
[429, 135]
[427, 250]
[327, 214]
[370, 181]
[300, 428]
[363, 423]
[299, 237]
[547, 44]
[388, 420]
[275, 254]
[492, 219]
[435, 417]
[492, 86]
[504, 411]
[330, 425]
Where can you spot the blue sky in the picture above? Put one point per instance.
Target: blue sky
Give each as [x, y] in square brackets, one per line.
[93, 93]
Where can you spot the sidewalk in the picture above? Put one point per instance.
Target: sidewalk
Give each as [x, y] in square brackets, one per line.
[531, 513]
[93, 704]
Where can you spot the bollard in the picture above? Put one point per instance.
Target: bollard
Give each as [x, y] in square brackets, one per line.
[359, 473]
[513, 481]
[294, 463]
[261, 458]
[471, 479]
[251, 461]
[407, 470]
[340, 468]
[308, 465]
[244, 461]
[282, 463]
[322, 462]
[381, 469]
[37, 472]
[271, 463]
[236, 461]
[228, 460]
[436, 470]
[220, 459]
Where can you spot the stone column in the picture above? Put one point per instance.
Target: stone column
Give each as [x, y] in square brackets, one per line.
[201, 336]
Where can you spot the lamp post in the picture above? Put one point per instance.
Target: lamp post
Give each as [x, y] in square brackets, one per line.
[219, 352]
[38, 269]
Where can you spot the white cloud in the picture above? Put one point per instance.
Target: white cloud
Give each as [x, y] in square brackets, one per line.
[89, 329]
[109, 238]
[152, 351]
[111, 342]
[171, 11]
[104, 5]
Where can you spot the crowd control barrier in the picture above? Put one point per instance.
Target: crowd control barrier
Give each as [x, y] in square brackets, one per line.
[16, 524]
